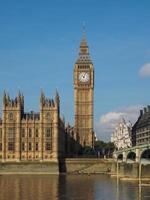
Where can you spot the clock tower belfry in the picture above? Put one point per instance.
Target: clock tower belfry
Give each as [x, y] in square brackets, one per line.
[83, 96]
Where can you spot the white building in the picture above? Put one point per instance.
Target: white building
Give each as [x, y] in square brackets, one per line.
[121, 137]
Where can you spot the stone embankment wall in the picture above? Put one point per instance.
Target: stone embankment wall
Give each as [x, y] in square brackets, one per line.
[29, 168]
[130, 170]
[71, 165]
[145, 171]
[87, 165]
[77, 166]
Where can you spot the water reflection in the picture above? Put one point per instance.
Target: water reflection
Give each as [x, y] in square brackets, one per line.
[70, 187]
[28, 187]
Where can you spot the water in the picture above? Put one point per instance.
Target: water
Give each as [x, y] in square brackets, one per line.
[69, 187]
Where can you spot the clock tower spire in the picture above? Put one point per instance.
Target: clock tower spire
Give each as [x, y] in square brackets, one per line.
[83, 95]
[83, 46]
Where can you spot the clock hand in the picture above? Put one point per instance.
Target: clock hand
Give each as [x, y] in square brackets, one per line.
[84, 75]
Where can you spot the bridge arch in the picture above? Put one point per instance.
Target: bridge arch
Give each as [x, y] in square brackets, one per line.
[120, 157]
[145, 155]
[131, 156]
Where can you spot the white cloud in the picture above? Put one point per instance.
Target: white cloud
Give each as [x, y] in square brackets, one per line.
[107, 122]
[145, 70]
[110, 117]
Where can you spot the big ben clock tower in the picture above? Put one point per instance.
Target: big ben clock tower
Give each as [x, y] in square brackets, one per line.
[83, 96]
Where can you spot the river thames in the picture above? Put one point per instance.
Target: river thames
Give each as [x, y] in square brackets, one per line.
[69, 187]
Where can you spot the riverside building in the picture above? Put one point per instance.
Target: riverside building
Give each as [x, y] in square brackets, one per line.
[141, 129]
[121, 137]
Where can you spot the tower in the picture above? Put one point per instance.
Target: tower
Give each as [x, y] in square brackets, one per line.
[12, 111]
[83, 96]
[49, 116]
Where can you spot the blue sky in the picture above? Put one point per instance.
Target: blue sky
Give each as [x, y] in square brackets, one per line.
[39, 43]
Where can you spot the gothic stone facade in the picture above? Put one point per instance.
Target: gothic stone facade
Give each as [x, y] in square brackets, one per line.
[42, 136]
[31, 136]
[121, 137]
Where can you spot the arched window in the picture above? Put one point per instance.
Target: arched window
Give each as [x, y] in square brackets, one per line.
[48, 115]
[10, 116]
[36, 132]
[30, 132]
[48, 132]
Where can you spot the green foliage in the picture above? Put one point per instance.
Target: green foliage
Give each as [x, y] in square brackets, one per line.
[103, 148]
[88, 151]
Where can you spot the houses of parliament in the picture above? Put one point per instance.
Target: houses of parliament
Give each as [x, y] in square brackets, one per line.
[43, 136]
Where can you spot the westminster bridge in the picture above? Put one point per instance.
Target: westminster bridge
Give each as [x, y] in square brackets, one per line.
[133, 154]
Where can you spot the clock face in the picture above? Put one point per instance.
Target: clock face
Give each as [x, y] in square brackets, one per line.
[83, 77]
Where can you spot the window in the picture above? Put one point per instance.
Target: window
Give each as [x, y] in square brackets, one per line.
[0, 146]
[23, 146]
[10, 116]
[11, 132]
[30, 146]
[30, 132]
[48, 132]
[0, 133]
[36, 147]
[23, 132]
[11, 146]
[36, 132]
[48, 146]
[48, 115]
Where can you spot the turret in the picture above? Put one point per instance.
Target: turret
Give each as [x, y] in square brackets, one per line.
[4, 99]
[18, 102]
[48, 103]
[22, 99]
[57, 99]
[42, 98]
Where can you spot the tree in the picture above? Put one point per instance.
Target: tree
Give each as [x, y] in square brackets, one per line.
[88, 151]
[104, 149]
